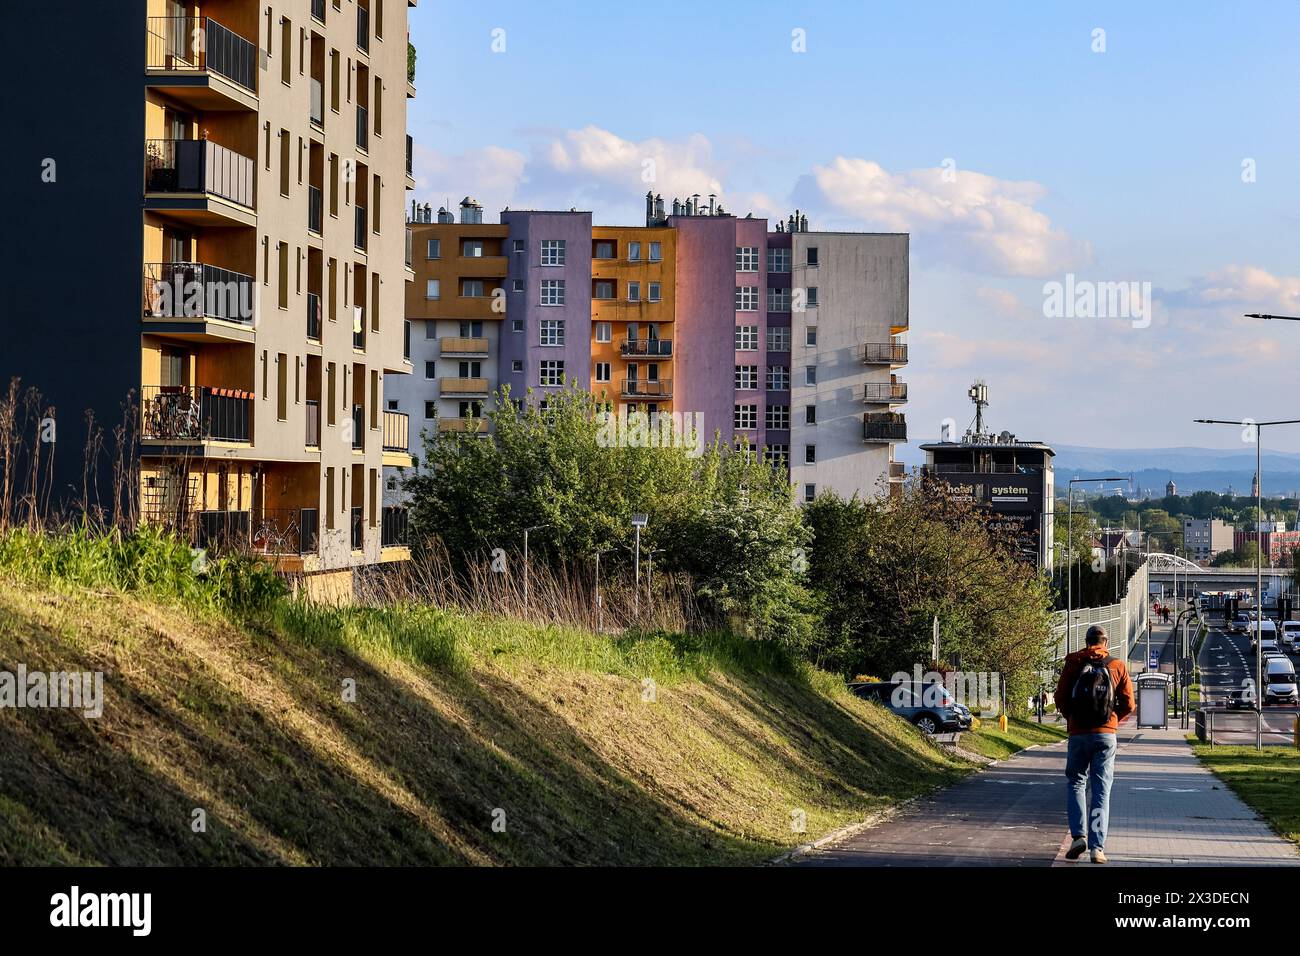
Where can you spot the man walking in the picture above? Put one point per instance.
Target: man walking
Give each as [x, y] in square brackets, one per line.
[1095, 694]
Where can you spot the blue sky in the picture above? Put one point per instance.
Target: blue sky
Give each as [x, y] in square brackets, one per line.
[1115, 166]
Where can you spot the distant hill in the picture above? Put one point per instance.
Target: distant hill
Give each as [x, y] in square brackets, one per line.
[1192, 469]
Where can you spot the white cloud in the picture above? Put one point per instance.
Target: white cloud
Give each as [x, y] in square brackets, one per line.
[491, 174]
[978, 222]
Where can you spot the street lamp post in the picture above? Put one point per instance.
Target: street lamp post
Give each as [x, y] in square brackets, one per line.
[1259, 551]
[638, 522]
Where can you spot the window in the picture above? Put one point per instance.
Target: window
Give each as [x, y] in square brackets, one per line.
[518, 245]
[634, 252]
[653, 293]
[552, 331]
[746, 298]
[430, 370]
[469, 409]
[604, 249]
[809, 493]
[602, 371]
[435, 249]
[604, 331]
[778, 260]
[604, 290]
[778, 300]
[634, 292]
[812, 297]
[810, 454]
[472, 248]
[433, 289]
[472, 288]
[777, 417]
[282, 381]
[747, 338]
[656, 252]
[810, 375]
[286, 143]
[745, 416]
[812, 255]
[810, 336]
[778, 339]
[778, 378]
[810, 414]
[469, 369]
[516, 325]
[552, 292]
[517, 285]
[517, 365]
[283, 298]
[429, 331]
[777, 454]
[471, 330]
[746, 376]
[746, 258]
[552, 251]
[550, 373]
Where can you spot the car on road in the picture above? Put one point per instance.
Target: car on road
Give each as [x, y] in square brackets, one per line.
[1267, 632]
[1280, 682]
[1290, 634]
[1243, 699]
[930, 707]
[1238, 623]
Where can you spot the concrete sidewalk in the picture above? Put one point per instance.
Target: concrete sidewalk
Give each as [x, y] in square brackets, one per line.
[1166, 810]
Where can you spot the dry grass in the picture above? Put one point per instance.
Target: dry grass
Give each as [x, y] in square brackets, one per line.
[546, 723]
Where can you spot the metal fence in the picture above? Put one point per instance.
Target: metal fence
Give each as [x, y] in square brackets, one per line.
[1123, 621]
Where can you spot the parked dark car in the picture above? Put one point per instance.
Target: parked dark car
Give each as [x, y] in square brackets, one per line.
[933, 710]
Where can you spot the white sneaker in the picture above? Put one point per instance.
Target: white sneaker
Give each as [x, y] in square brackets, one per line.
[1098, 856]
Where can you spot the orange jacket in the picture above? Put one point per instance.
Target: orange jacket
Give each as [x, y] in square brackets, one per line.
[1124, 702]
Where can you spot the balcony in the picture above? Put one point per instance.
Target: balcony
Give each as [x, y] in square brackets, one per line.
[201, 63]
[315, 208]
[287, 531]
[195, 413]
[397, 431]
[453, 345]
[358, 428]
[884, 393]
[462, 425]
[643, 388]
[884, 427]
[312, 438]
[463, 387]
[363, 129]
[359, 228]
[653, 347]
[358, 528]
[313, 317]
[199, 181]
[394, 527]
[196, 301]
[885, 353]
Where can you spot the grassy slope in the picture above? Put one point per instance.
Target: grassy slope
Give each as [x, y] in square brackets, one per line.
[454, 718]
[991, 742]
[1266, 780]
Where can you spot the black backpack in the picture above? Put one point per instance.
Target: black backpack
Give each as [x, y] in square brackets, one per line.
[1093, 699]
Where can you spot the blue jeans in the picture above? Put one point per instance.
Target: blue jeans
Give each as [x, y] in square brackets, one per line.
[1090, 765]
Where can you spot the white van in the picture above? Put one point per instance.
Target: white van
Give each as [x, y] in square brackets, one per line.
[1290, 634]
[1279, 682]
[1267, 634]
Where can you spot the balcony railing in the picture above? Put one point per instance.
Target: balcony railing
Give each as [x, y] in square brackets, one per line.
[410, 149]
[312, 438]
[459, 345]
[196, 413]
[198, 166]
[885, 353]
[317, 102]
[359, 337]
[629, 346]
[463, 387]
[359, 228]
[194, 290]
[358, 427]
[318, 10]
[286, 531]
[315, 208]
[363, 28]
[363, 128]
[884, 427]
[467, 424]
[644, 388]
[313, 316]
[203, 45]
[397, 431]
[884, 392]
[222, 529]
[358, 529]
[981, 468]
[394, 527]
[409, 245]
